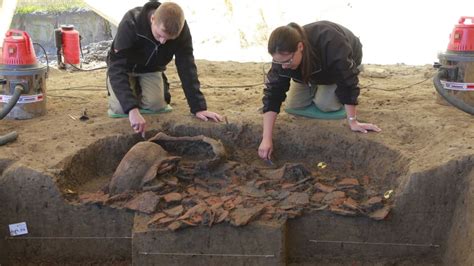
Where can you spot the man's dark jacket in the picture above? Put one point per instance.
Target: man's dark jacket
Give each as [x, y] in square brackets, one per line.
[139, 52]
[337, 53]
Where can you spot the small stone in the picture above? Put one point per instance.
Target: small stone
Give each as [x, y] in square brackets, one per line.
[243, 216]
[172, 180]
[202, 193]
[324, 188]
[174, 212]
[198, 209]
[214, 201]
[189, 223]
[318, 197]
[365, 180]
[337, 202]
[252, 191]
[351, 204]
[166, 220]
[229, 205]
[238, 200]
[196, 218]
[293, 171]
[380, 214]
[192, 191]
[201, 183]
[156, 218]
[235, 180]
[287, 185]
[266, 217]
[226, 198]
[286, 206]
[156, 186]
[302, 181]
[298, 198]
[217, 182]
[222, 216]
[93, 198]
[175, 225]
[293, 213]
[333, 195]
[270, 209]
[296, 171]
[189, 202]
[343, 212]
[372, 203]
[282, 195]
[355, 194]
[261, 183]
[348, 182]
[119, 198]
[172, 197]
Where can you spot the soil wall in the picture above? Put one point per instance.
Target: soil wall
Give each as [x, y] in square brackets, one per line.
[40, 26]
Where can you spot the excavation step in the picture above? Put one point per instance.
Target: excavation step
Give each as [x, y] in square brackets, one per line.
[223, 244]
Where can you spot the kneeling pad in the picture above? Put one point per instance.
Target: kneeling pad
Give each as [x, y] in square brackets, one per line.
[313, 112]
[166, 109]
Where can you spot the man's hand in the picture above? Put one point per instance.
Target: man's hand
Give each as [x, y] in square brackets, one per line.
[137, 121]
[206, 115]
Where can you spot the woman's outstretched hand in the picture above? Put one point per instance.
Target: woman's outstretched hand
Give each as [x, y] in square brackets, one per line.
[265, 149]
[363, 127]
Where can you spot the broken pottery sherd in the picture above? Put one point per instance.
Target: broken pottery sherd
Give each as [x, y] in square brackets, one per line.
[207, 153]
[139, 166]
[145, 202]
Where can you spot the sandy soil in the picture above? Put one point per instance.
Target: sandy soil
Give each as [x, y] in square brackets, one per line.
[398, 98]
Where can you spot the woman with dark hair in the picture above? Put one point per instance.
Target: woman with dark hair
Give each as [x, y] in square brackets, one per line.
[319, 64]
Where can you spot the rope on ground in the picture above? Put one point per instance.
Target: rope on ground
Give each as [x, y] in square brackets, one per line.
[224, 86]
[81, 88]
[395, 89]
[81, 69]
[232, 86]
[72, 97]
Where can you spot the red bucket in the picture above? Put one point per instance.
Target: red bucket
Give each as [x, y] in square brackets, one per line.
[17, 49]
[71, 46]
[462, 37]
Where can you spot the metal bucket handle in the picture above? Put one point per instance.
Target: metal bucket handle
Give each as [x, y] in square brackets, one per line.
[462, 19]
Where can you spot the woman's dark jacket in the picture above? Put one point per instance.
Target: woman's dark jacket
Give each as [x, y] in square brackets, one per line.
[337, 54]
[139, 52]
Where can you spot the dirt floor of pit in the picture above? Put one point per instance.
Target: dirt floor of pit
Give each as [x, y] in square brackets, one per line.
[398, 98]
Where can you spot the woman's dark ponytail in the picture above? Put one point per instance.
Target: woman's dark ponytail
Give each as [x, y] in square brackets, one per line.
[285, 39]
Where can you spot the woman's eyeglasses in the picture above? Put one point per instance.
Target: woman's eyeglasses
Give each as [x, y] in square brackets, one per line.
[286, 63]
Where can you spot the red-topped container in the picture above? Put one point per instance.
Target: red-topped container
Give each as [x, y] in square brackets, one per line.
[17, 49]
[462, 37]
[71, 44]
[454, 81]
[20, 68]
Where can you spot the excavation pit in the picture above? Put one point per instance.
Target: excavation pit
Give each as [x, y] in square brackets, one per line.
[325, 198]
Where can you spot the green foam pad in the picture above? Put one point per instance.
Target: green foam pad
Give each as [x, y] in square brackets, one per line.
[166, 109]
[313, 112]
